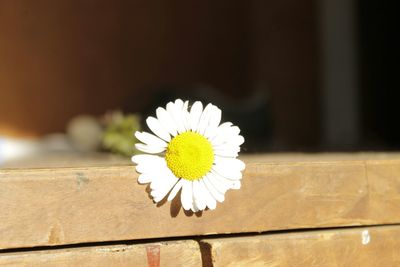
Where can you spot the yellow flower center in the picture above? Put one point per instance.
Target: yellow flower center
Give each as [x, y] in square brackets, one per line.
[189, 156]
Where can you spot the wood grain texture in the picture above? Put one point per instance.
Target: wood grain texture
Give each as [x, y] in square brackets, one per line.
[66, 160]
[57, 206]
[375, 246]
[173, 253]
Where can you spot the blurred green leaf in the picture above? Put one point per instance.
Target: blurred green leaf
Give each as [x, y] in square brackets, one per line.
[119, 133]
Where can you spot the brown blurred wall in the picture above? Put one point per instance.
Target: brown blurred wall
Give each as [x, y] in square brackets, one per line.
[285, 58]
[62, 58]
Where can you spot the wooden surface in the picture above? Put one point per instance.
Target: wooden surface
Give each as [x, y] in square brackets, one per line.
[58, 206]
[69, 159]
[376, 246]
[66, 160]
[366, 246]
[173, 253]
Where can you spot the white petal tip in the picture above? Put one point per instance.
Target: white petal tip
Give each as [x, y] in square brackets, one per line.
[236, 186]
[212, 207]
[136, 134]
[134, 159]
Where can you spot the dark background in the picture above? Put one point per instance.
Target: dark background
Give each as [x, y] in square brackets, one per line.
[379, 71]
[295, 75]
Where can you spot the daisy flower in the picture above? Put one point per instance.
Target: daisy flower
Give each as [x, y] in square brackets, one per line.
[190, 151]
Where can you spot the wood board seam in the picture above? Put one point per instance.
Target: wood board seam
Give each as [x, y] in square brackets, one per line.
[198, 239]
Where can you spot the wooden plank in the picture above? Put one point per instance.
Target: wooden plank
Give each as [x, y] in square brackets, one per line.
[375, 246]
[74, 205]
[66, 160]
[173, 253]
[69, 159]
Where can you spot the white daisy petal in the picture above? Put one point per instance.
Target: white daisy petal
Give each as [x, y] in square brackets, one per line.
[149, 149]
[150, 139]
[145, 169]
[227, 146]
[220, 185]
[223, 131]
[194, 207]
[215, 119]
[198, 195]
[175, 190]
[185, 116]
[204, 119]
[160, 196]
[187, 195]
[233, 130]
[210, 132]
[158, 182]
[165, 176]
[226, 153]
[145, 178]
[231, 141]
[149, 164]
[210, 200]
[214, 192]
[195, 114]
[225, 181]
[227, 172]
[225, 125]
[166, 121]
[239, 140]
[156, 127]
[179, 103]
[236, 185]
[230, 163]
[175, 112]
[142, 158]
[163, 191]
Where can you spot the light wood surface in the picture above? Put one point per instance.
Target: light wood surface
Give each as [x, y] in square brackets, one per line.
[172, 253]
[66, 160]
[55, 206]
[376, 246]
[366, 246]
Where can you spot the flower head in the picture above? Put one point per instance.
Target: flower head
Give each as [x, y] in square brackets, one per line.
[189, 151]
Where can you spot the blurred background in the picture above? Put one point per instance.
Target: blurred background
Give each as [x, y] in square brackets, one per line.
[294, 75]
